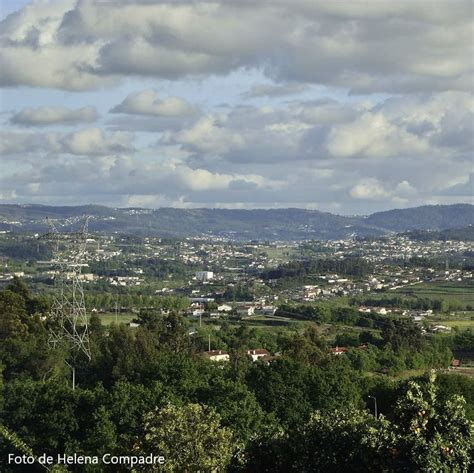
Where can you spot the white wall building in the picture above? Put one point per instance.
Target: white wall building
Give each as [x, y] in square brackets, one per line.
[216, 355]
[204, 275]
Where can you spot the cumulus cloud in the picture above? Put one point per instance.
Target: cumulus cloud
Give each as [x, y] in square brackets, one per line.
[94, 141]
[372, 189]
[108, 178]
[206, 135]
[45, 116]
[325, 129]
[373, 135]
[318, 153]
[369, 189]
[147, 103]
[366, 48]
[88, 141]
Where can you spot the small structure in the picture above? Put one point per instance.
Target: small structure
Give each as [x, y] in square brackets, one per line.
[216, 355]
[258, 353]
[246, 310]
[224, 308]
[341, 350]
[204, 276]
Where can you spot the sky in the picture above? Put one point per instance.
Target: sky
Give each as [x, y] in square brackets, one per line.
[349, 107]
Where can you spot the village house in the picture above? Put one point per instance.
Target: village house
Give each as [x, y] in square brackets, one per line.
[268, 310]
[224, 308]
[258, 353]
[246, 310]
[216, 355]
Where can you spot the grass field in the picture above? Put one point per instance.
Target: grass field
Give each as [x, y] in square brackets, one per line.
[461, 292]
[279, 254]
[462, 324]
[108, 318]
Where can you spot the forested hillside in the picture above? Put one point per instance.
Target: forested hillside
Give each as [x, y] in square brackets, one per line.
[273, 224]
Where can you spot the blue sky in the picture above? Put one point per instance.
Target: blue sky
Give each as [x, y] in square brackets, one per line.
[348, 107]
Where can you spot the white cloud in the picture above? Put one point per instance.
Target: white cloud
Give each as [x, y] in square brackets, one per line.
[88, 141]
[390, 46]
[373, 135]
[405, 189]
[93, 141]
[14, 143]
[369, 189]
[207, 135]
[372, 189]
[147, 103]
[44, 116]
[410, 150]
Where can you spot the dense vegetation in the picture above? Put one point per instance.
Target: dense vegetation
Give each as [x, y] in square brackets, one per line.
[21, 248]
[307, 410]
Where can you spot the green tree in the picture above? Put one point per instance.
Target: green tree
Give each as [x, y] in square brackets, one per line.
[343, 440]
[190, 438]
[283, 387]
[237, 406]
[433, 435]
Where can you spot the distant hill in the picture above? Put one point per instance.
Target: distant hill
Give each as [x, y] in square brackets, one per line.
[274, 224]
[453, 234]
[427, 217]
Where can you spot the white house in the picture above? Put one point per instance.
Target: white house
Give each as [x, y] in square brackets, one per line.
[257, 353]
[216, 355]
[246, 310]
[224, 308]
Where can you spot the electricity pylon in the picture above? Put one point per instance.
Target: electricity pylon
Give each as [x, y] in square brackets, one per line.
[68, 316]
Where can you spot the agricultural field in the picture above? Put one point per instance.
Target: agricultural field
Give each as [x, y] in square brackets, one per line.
[462, 324]
[279, 254]
[458, 294]
[110, 317]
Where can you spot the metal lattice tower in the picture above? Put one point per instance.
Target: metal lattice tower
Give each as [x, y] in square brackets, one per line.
[68, 312]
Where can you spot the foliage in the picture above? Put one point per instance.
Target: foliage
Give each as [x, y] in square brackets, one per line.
[433, 435]
[357, 267]
[189, 437]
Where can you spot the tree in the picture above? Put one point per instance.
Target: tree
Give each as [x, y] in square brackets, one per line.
[403, 334]
[236, 405]
[189, 437]
[308, 347]
[451, 384]
[12, 315]
[101, 438]
[282, 388]
[342, 440]
[23, 347]
[433, 435]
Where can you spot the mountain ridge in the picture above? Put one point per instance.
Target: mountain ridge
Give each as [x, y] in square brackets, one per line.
[239, 224]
